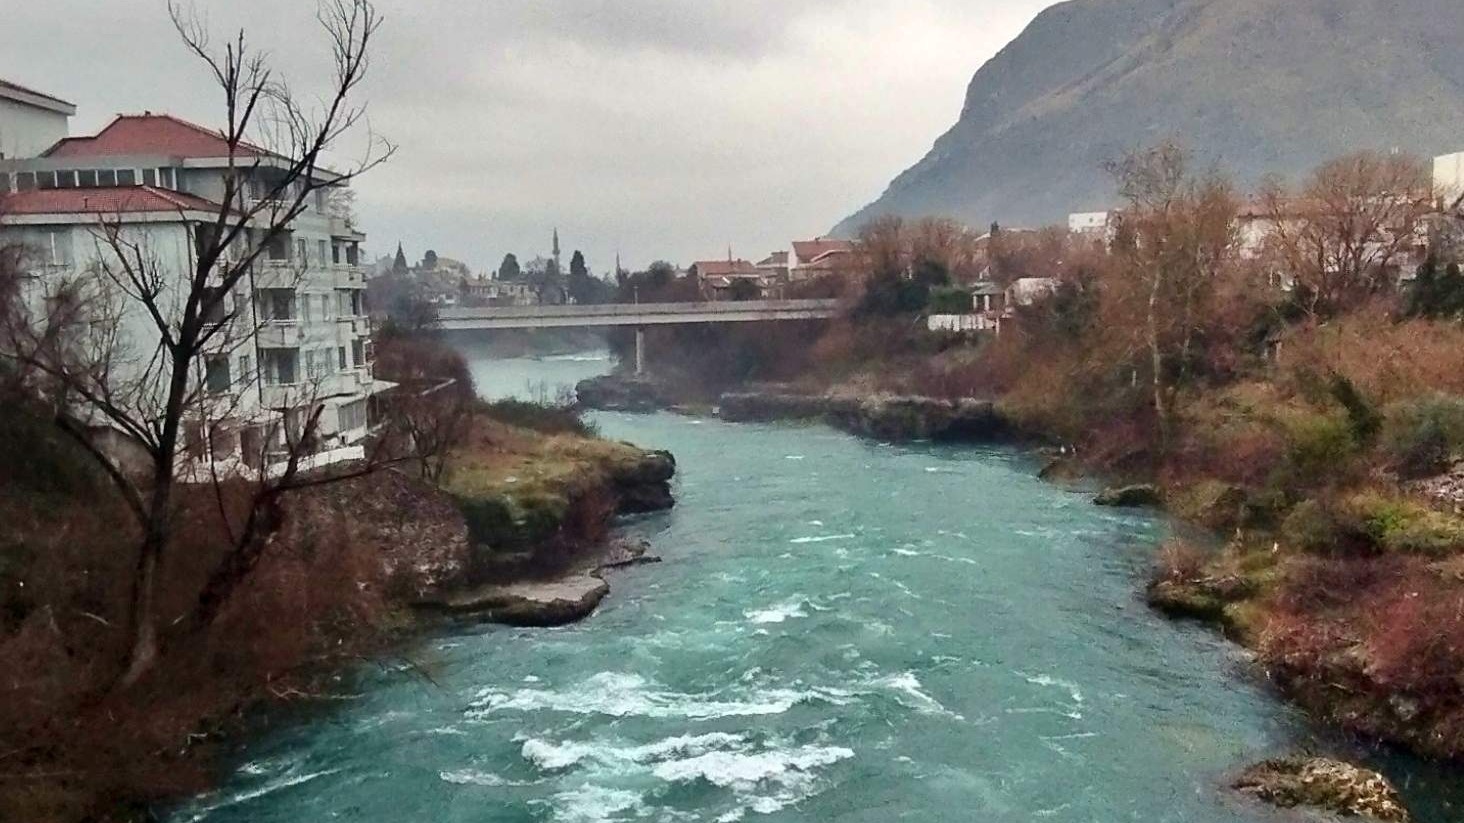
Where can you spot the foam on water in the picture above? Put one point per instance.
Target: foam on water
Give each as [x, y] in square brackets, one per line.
[617, 694]
[761, 776]
[780, 613]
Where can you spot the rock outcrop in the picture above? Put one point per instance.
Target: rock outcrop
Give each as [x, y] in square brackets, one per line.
[645, 486]
[884, 417]
[1324, 785]
[1130, 497]
[623, 393]
[536, 604]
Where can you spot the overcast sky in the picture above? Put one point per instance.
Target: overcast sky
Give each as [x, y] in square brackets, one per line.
[659, 128]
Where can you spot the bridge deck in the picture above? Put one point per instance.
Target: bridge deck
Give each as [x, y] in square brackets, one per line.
[640, 314]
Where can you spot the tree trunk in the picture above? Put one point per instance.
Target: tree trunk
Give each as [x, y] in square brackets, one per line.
[144, 623]
[1156, 356]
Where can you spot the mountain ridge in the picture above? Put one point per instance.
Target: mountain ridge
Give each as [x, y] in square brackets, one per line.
[1253, 86]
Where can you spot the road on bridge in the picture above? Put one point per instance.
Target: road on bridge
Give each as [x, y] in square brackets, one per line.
[637, 314]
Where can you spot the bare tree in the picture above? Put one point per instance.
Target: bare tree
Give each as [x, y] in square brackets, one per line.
[1178, 233]
[153, 388]
[1346, 230]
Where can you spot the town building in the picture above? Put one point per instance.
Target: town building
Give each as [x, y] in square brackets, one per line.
[487, 291]
[819, 257]
[733, 280]
[1094, 223]
[1448, 178]
[30, 122]
[301, 339]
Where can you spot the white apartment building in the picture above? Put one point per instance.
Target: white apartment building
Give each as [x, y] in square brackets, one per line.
[30, 122]
[302, 340]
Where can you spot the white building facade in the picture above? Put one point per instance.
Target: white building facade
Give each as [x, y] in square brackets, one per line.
[30, 122]
[299, 345]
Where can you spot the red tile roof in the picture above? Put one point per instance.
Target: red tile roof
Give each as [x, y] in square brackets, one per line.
[127, 200]
[143, 134]
[810, 250]
[723, 268]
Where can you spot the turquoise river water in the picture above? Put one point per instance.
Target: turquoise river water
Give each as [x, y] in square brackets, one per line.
[842, 630]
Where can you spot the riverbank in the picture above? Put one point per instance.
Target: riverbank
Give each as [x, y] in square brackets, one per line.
[1328, 624]
[345, 579]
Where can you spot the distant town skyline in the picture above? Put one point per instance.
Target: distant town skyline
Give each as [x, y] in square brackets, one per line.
[652, 129]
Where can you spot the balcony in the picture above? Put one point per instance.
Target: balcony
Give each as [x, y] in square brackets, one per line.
[348, 276]
[358, 326]
[280, 334]
[277, 274]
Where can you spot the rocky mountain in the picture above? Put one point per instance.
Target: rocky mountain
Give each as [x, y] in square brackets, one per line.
[1253, 86]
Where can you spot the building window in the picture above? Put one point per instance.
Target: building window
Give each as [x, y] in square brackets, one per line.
[309, 308]
[212, 303]
[246, 368]
[86, 179]
[57, 248]
[341, 355]
[322, 249]
[4, 183]
[25, 181]
[358, 352]
[280, 366]
[65, 179]
[217, 379]
[168, 179]
[126, 177]
[149, 177]
[310, 373]
[300, 255]
[107, 178]
[353, 416]
[278, 304]
[45, 179]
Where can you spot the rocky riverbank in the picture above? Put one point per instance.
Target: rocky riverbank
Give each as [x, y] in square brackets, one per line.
[537, 512]
[881, 416]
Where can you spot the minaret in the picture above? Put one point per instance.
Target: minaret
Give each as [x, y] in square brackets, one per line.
[557, 267]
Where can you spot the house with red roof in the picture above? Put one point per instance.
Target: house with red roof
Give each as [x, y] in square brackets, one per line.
[159, 181]
[818, 257]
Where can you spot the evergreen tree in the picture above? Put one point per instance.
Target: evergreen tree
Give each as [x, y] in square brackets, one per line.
[509, 268]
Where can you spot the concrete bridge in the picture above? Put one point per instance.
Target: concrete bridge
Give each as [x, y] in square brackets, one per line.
[638, 315]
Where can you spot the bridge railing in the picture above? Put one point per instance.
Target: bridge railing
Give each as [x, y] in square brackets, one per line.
[637, 309]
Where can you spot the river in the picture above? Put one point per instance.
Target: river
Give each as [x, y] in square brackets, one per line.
[842, 630]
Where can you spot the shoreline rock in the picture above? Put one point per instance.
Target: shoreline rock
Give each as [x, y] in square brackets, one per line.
[1324, 785]
[889, 418]
[623, 393]
[1130, 497]
[532, 604]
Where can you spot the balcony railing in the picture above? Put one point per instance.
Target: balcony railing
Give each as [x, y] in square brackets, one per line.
[281, 334]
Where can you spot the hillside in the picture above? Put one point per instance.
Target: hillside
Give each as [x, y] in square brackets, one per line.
[1254, 86]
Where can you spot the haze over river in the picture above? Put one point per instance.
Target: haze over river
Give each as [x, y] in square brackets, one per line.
[842, 630]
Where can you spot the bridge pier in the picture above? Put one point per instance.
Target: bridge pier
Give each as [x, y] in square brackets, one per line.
[640, 350]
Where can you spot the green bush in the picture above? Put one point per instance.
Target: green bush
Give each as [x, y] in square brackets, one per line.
[1421, 436]
[1362, 418]
[1318, 445]
[540, 417]
[1310, 527]
[951, 301]
[1400, 525]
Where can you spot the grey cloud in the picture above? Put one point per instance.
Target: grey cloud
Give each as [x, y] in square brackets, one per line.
[660, 128]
